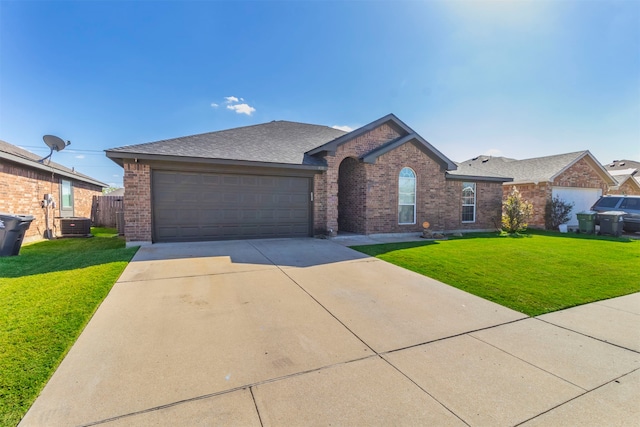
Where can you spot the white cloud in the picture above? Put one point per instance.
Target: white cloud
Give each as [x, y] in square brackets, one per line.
[80, 156]
[214, 105]
[230, 99]
[344, 128]
[242, 109]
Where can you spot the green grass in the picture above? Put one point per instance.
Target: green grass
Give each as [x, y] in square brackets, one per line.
[47, 295]
[535, 273]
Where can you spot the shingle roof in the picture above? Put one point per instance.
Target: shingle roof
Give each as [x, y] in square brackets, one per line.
[280, 142]
[622, 164]
[470, 169]
[539, 169]
[19, 155]
[621, 179]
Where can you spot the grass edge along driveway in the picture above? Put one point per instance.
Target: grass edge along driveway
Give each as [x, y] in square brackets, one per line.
[47, 296]
[535, 273]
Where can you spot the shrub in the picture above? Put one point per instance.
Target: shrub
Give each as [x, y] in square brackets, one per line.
[557, 212]
[515, 212]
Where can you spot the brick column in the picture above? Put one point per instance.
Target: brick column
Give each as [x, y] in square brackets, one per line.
[137, 203]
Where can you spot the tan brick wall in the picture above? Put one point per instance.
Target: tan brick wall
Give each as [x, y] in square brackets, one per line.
[137, 202]
[581, 175]
[537, 195]
[627, 189]
[22, 189]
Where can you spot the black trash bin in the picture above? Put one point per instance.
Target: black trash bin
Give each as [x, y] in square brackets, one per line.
[12, 230]
[611, 222]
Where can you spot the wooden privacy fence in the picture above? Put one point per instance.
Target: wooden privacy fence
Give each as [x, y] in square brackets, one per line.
[103, 210]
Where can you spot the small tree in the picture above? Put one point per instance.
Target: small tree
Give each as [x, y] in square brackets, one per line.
[515, 212]
[557, 212]
[107, 190]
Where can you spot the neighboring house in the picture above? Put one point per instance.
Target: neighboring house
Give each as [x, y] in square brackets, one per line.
[24, 181]
[625, 172]
[118, 192]
[286, 179]
[576, 178]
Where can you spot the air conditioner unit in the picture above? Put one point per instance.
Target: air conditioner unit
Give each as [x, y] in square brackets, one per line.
[75, 227]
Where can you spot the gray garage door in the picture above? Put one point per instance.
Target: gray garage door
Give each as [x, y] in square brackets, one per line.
[206, 206]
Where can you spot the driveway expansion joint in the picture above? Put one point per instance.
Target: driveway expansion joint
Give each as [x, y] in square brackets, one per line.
[527, 362]
[424, 390]
[590, 336]
[253, 398]
[614, 380]
[317, 302]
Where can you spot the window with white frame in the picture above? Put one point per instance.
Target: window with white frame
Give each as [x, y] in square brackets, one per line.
[66, 198]
[407, 196]
[468, 202]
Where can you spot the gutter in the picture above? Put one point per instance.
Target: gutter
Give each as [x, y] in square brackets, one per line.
[118, 156]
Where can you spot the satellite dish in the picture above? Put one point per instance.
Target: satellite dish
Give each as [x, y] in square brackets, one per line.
[55, 144]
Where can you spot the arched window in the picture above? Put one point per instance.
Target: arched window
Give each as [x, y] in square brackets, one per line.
[407, 196]
[468, 202]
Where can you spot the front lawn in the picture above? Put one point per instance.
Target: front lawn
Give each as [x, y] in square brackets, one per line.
[47, 295]
[537, 273]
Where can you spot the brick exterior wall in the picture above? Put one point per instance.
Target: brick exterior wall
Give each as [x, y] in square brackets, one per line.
[580, 175]
[326, 184]
[382, 197]
[629, 188]
[137, 202]
[352, 196]
[372, 204]
[488, 206]
[536, 194]
[23, 188]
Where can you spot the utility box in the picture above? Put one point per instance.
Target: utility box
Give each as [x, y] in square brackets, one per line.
[75, 227]
[587, 222]
[611, 222]
[12, 231]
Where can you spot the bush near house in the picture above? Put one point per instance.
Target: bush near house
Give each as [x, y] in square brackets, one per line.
[516, 212]
[557, 212]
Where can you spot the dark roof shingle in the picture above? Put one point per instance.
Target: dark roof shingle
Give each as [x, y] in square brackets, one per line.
[280, 142]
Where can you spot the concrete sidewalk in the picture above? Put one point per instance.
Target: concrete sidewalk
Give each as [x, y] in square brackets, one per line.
[309, 332]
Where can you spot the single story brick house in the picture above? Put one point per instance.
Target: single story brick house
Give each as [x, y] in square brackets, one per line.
[577, 178]
[24, 181]
[625, 172]
[287, 179]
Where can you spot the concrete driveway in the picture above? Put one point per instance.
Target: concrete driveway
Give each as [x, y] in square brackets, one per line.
[308, 332]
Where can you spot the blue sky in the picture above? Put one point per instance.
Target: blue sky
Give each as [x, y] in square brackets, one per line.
[512, 78]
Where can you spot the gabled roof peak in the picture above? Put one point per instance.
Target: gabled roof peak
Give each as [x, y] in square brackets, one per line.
[406, 134]
[535, 169]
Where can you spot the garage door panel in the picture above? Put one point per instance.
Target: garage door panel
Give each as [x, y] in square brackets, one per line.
[582, 199]
[201, 206]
